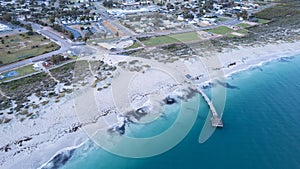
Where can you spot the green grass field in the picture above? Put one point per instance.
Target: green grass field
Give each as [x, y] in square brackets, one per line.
[222, 19]
[135, 45]
[242, 31]
[25, 70]
[182, 37]
[243, 25]
[232, 35]
[263, 21]
[21, 46]
[221, 30]
[186, 37]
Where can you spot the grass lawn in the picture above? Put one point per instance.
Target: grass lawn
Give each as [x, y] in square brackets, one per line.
[222, 19]
[221, 30]
[242, 31]
[73, 57]
[231, 35]
[186, 37]
[243, 25]
[134, 45]
[21, 46]
[182, 37]
[154, 41]
[263, 21]
[25, 70]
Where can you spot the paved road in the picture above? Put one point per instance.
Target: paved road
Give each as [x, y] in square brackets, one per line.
[113, 21]
[52, 35]
[66, 43]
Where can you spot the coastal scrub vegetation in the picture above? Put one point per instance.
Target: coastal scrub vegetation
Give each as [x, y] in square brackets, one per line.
[281, 24]
[19, 90]
[279, 11]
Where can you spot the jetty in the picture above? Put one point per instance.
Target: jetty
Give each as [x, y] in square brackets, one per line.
[215, 120]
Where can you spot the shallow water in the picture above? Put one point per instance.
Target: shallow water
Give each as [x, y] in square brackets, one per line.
[261, 128]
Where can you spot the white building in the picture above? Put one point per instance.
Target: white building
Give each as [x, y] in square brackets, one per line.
[4, 28]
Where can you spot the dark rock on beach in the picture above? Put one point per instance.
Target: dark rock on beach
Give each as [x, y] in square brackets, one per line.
[169, 100]
[118, 129]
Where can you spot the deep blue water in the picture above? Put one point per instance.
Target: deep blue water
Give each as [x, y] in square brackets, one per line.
[261, 128]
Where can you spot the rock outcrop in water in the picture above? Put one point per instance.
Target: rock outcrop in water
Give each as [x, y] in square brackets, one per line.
[59, 160]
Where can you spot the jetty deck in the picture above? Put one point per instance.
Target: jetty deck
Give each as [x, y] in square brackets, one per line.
[215, 120]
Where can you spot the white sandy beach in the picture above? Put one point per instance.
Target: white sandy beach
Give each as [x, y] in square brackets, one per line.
[48, 130]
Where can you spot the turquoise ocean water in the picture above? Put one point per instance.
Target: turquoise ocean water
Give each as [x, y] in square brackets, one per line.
[261, 128]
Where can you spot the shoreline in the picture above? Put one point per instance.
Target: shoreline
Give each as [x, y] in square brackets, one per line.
[62, 151]
[261, 60]
[260, 63]
[254, 59]
[256, 63]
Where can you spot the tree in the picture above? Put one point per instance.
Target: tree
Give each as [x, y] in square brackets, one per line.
[208, 5]
[70, 35]
[52, 59]
[105, 3]
[200, 12]
[6, 17]
[170, 6]
[29, 28]
[51, 18]
[56, 59]
[108, 3]
[238, 15]
[187, 14]
[85, 38]
[244, 14]
[81, 18]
